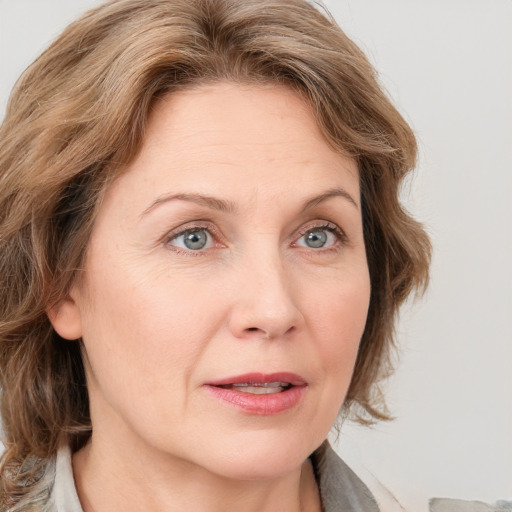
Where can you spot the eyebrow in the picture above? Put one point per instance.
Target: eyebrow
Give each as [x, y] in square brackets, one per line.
[333, 192]
[213, 203]
[223, 205]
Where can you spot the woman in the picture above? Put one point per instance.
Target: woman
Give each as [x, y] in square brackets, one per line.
[203, 254]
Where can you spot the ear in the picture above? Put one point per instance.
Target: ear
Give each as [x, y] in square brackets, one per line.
[66, 319]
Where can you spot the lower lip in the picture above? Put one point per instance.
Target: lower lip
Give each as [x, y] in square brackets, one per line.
[262, 405]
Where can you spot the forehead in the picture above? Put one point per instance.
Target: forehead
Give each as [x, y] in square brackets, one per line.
[223, 139]
[265, 109]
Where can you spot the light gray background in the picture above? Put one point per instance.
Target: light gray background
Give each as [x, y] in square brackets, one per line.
[448, 66]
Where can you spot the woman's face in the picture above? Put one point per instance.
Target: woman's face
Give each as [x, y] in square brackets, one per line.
[226, 287]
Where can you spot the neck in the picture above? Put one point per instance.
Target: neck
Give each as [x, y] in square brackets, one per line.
[111, 479]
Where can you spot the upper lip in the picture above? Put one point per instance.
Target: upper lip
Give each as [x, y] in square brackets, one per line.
[260, 378]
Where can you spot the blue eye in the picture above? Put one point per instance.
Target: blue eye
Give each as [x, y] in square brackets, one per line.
[193, 239]
[318, 238]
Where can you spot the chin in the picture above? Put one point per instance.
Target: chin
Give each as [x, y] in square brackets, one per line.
[262, 457]
[258, 467]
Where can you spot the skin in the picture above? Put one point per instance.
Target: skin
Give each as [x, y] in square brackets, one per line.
[158, 319]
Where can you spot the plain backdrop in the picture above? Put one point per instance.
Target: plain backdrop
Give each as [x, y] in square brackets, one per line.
[448, 67]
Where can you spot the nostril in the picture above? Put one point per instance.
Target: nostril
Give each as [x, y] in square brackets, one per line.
[261, 333]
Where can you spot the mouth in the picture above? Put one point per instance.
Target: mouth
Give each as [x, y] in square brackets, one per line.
[264, 388]
[261, 394]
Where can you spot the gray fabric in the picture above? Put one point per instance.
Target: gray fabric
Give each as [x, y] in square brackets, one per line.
[453, 505]
[340, 488]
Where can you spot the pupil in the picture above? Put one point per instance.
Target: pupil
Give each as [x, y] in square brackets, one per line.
[316, 239]
[195, 240]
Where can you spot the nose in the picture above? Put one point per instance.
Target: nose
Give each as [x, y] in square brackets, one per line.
[265, 303]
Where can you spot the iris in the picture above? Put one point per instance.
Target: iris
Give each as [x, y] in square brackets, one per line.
[195, 240]
[316, 238]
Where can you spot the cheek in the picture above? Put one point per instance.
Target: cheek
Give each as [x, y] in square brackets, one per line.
[336, 320]
[146, 326]
[338, 317]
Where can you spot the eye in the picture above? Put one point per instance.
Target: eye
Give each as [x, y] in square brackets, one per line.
[194, 239]
[320, 237]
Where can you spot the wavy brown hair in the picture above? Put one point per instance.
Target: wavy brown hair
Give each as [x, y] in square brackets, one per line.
[77, 117]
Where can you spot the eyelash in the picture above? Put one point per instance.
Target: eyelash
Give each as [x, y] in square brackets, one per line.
[340, 235]
[196, 226]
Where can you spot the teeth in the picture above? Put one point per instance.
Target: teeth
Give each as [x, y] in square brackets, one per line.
[261, 384]
[259, 390]
[262, 388]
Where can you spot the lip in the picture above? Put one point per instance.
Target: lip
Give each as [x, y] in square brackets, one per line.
[262, 405]
[260, 378]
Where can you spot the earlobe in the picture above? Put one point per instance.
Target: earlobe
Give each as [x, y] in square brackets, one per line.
[66, 319]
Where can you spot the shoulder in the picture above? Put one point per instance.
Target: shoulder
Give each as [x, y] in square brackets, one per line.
[341, 489]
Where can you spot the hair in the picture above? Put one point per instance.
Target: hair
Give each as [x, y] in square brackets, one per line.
[77, 116]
